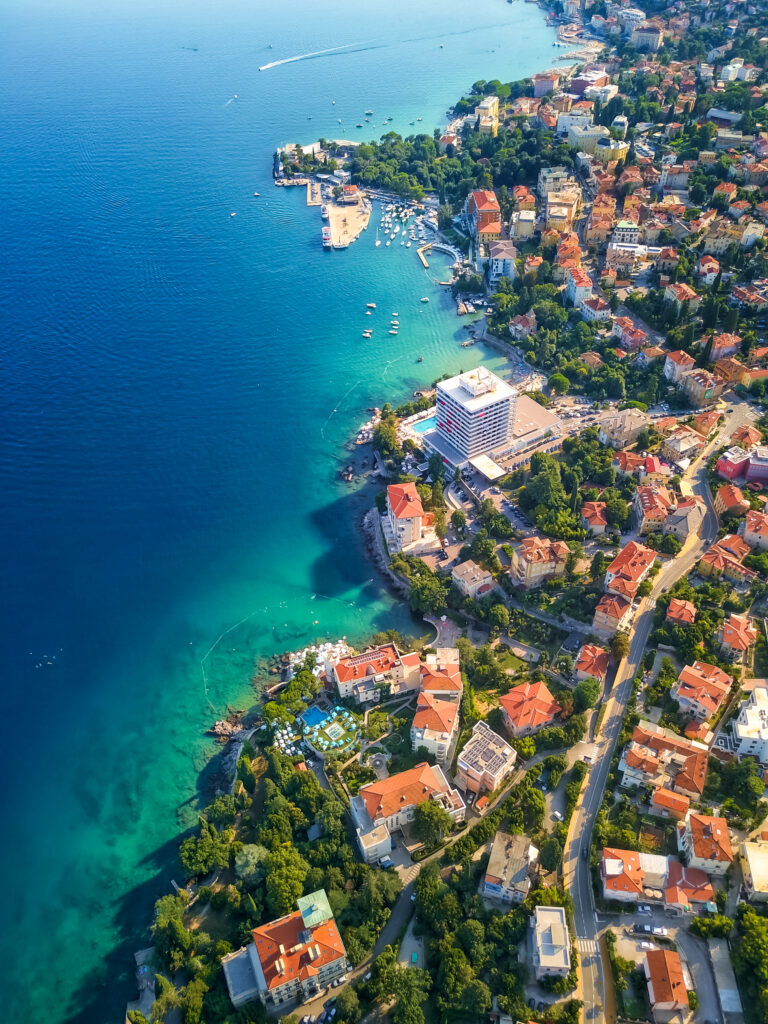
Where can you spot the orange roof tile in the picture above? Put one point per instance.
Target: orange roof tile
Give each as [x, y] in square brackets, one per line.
[621, 871]
[405, 501]
[593, 660]
[665, 798]
[665, 975]
[686, 885]
[529, 705]
[286, 956]
[683, 612]
[370, 663]
[434, 714]
[710, 838]
[406, 789]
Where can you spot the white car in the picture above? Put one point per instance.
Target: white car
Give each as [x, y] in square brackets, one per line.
[646, 945]
[557, 815]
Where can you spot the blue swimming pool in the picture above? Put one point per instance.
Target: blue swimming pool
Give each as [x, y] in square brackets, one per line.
[424, 425]
[313, 717]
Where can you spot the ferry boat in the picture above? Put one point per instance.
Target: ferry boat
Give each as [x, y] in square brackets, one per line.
[326, 237]
[324, 212]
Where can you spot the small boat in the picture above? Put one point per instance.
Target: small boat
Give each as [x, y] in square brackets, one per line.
[326, 237]
[324, 212]
[393, 332]
[377, 243]
[425, 299]
[257, 193]
[333, 102]
[358, 126]
[366, 334]
[371, 305]
[369, 112]
[395, 323]
[233, 215]
[407, 245]
[395, 314]
[388, 242]
[420, 359]
[368, 313]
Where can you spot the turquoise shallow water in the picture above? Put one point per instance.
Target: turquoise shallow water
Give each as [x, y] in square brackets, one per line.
[178, 385]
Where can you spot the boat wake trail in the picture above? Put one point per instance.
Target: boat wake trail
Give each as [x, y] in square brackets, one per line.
[306, 56]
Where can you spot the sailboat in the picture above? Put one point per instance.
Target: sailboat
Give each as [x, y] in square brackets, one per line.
[378, 240]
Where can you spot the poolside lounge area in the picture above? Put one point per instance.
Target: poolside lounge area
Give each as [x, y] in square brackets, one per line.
[326, 731]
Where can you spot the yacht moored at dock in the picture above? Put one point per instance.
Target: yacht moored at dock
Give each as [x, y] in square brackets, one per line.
[326, 237]
[324, 211]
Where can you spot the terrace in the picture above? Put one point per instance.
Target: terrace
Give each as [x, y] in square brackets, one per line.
[328, 731]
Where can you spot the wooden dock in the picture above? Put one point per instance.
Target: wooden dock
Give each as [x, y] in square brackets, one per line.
[420, 253]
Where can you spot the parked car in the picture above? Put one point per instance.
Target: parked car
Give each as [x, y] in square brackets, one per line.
[557, 815]
[368, 976]
[658, 930]
[540, 1007]
[413, 897]
[532, 1003]
[643, 908]
[329, 1002]
[642, 929]
[646, 945]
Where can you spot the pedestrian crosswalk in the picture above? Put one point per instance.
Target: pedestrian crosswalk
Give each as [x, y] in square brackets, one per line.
[586, 945]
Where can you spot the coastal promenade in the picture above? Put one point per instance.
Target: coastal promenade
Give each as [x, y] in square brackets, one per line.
[347, 222]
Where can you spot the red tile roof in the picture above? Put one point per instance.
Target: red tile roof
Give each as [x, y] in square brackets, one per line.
[682, 612]
[405, 501]
[593, 660]
[386, 797]
[676, 803]
[370, 663]
[286, 956]
[529, 705]
[702, 684]
[710, 838]
[434, 714]
[665, 976]
[687, 885]
[622, 872]
[739, 633]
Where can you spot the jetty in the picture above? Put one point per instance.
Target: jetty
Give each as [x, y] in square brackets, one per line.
[314, 194]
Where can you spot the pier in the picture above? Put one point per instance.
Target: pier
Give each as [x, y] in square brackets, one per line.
[347, 222]
[314, 194]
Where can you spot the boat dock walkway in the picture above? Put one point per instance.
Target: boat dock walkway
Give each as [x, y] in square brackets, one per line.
[314, 194]
[438, 247]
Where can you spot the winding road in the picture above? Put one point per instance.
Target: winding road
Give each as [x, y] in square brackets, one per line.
[576, 868]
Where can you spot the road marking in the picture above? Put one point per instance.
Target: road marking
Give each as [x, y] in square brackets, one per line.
[586, 945]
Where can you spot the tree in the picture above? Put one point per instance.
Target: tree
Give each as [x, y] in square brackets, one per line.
[498, 615]
[598, 567]
[286, 871]
[459, 520]
[249, 864]
[551, 855]
[559, 383]
[430, 823]
[441, 527]
[348, 1005]
[586, 694]
[620, 646]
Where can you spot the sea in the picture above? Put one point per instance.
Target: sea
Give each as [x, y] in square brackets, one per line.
[178, 385]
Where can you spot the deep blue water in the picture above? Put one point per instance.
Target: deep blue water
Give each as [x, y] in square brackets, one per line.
[177, 385]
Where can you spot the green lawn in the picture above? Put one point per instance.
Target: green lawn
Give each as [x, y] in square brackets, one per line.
[760, 665]
[511, 661]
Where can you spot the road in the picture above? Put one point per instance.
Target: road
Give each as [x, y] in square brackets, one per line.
[576, 868]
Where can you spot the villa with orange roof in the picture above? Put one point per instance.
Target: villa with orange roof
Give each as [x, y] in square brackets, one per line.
[681, 613]
[686, 885]
[593, 517]
[677, 293]
[747, 436]
[434, 726]
[676, 364]
[405, 523]
[538, 559]
[668, 804]
[386, 805]
[629, 876]
[292, 959]
[754, 530]
[440, 674]
[375, 672]
[706, 843]
[628, 569]
[700, 690]
[613, 612]
[483, 215]
[736, 636]
[658, 757]
[528, 708]
[724, 558]
[627, 463]
[667, 984]
[730, 501]
[650, 506]
[592, 662]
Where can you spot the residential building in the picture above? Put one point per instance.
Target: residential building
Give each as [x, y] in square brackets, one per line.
[667, 985]
[366, 676]
[682, 444]
[700, 690]
[628, 569]
[668, 804]
[595, 310]
[757, 467]
[405, 517]
[578, 286]
[750, 730]
[390, 803]
[508, 874]
[538, 559]
[611, 614]
[434, 725]
[622, 429]
[657, 757]
[528, 708]
[609, 150]
[551, 943]
[552, 179]
[647, 37]
[706, 422]
[586, 137]
[754, 530]
[628, 876]
[676, 364]
[724, 558]
[686, 886]
[753, 857]
[730, 369]
[291, 959]
[522, 224]
[483, 215]
[746, 435]
[440, 674]
[628, 463]
[706, 842]
[677, 293]
[522, 325]
[502, 261]
[630, 337]
[681, 613]
[685, 519]
[485, 761]
[593, 517]
[730, 501]
[736, 636]
[707, 269]
[702, 387]
[544, 82]
[724, 345]
[475, 414]
[471, 580]
[650, 507]
[593, 661]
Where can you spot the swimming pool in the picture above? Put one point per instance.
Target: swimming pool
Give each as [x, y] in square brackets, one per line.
[424, 425]
[313, 717]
